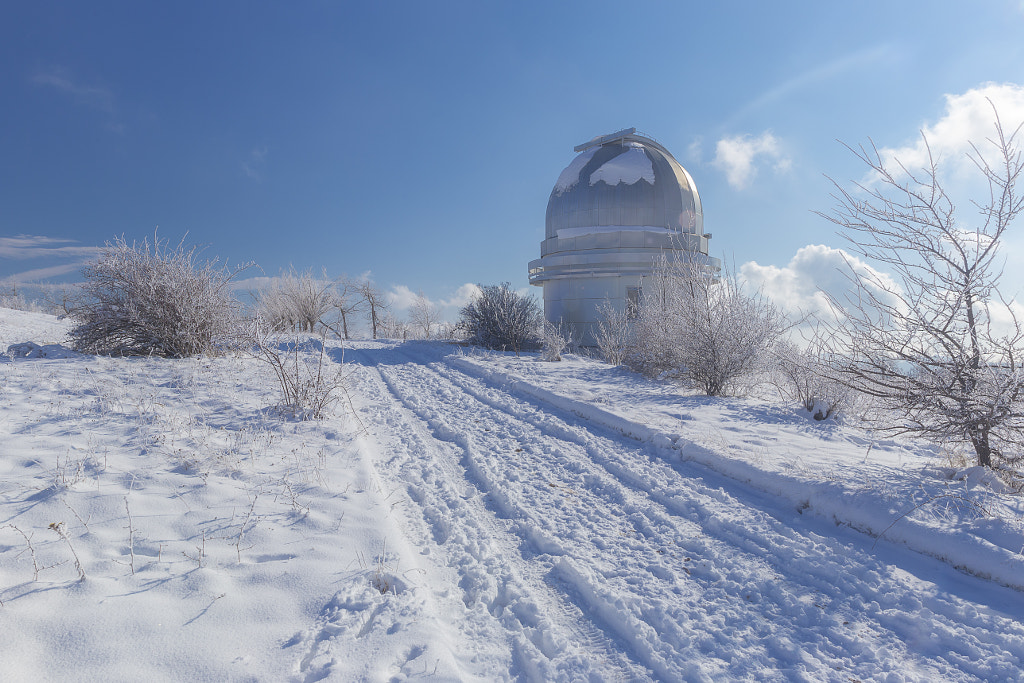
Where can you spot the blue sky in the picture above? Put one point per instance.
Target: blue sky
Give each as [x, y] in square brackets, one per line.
[418, 142]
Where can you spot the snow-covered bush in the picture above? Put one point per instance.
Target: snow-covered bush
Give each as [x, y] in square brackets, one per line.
[142, 299]
[424, 317]
[557, 340]
[310, 381]
[614, 336]
[802, 375]
[501, 318]
[391, 327]
[298, 301]
[703, 328]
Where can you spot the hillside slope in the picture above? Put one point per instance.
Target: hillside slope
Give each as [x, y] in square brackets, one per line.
[477, 517]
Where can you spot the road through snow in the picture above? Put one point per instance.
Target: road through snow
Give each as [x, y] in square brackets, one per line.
[574, 552]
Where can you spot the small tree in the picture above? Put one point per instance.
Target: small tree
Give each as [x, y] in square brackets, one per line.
[298, 300]
[704, 328]
[310, 381]
[143, 299]
[348, 302]
[925, 343]
[500, 318]
[424, 316]
[376, 305]
[614, 336]
[803, 376]
[557, 340]
[393, 328]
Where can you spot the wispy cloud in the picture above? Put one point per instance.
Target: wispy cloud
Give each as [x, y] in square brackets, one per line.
[253, 165]
[62, 256]
[877, 54]
[39, 274]
[739, 157]
[61, 80]
[39, 246]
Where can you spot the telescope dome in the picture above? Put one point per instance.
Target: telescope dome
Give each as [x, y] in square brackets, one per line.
[623, 181]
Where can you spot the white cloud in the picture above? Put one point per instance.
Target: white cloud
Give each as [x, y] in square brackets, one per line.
[871, 57]
[61, 256]
[739, 157]
[968, 118]
[253, 165]
[60, 79]
[38, 246]
[37, 274]
[401, 298]
[801, 286]
[463, 295]
[695, 151]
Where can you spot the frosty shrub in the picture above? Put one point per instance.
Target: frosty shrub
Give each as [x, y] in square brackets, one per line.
[500, 318]
[142, 299]
[557, 340]
[614, 336]
[925, 338]
[803, 375]
[704, 329]
[298, 301]
[424, 317]
[390, 327]
[310, 381]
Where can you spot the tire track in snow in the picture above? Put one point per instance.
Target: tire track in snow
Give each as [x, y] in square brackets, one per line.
[763, 571]
[547, 641]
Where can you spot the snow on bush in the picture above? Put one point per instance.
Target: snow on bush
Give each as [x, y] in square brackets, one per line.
[704, 329]
[500, 318]
[614, 336]
[557, 340]
[298, 301]
[310, 381]
[802, 376]
[143, 299]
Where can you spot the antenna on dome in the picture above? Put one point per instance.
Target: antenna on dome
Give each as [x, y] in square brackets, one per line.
[605, 139]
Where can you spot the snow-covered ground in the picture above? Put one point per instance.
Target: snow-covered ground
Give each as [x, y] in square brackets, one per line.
[477, 517]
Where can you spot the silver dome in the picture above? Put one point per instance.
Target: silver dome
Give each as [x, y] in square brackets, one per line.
[622, 205]
[623, 180]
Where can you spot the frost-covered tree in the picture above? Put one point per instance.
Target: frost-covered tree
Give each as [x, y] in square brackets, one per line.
[376, 305]
[557, 339]
[614, 336]
[923, 340]
[424, 316]
[802, 375]
[501, 318]
[143, 299]
[391, 327]
[298, 300]
[348, 302]
[703, 328]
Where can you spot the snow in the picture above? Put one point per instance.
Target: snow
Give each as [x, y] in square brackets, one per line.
[478, 517]
[571, 175]
[630, 167]
[566, 233]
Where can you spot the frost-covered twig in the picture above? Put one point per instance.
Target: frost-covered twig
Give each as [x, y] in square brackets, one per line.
[61, 531]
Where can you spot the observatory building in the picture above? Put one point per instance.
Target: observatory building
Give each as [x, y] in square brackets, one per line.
[622, 203]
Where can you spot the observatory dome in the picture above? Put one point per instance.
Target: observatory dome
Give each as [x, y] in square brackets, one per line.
[629, 181]
[617, 210]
